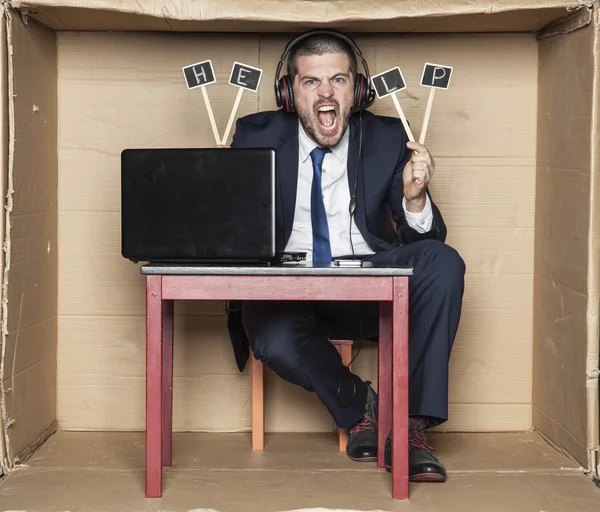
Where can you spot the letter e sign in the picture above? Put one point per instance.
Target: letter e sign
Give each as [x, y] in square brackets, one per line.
[435, 75]
[199, 74]
[245, 76]
[388, 82]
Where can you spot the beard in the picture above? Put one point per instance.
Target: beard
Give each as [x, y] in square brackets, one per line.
[325, 128]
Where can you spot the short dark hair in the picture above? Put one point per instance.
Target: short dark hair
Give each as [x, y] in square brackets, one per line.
[319, 44]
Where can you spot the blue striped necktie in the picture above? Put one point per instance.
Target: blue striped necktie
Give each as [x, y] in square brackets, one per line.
[320, 229]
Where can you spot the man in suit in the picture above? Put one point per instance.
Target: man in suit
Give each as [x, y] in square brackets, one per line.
[340, 171]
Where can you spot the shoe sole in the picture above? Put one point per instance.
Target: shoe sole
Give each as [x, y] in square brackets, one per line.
[365, 459]
[423, 477]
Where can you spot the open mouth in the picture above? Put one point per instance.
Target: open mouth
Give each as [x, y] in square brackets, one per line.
[327, 119]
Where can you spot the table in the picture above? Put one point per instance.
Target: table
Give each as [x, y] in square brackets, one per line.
[297, 281]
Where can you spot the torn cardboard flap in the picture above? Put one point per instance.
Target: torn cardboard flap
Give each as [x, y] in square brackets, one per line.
[30, 279]
[579, 19]
[566, 286]
[275, 15]
[303, 9]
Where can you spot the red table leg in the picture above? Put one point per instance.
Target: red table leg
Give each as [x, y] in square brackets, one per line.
[400, 374]
[167, 382]
[384, 388]
[153, 386]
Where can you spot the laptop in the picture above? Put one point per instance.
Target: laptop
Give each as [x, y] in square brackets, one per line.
[198, 205]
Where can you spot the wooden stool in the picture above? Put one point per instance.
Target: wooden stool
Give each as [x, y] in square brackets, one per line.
[344, 347]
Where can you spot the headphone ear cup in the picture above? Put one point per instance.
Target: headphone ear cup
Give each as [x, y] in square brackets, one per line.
[278, 96]
[285, 94]
[280, 93]
[361, 91]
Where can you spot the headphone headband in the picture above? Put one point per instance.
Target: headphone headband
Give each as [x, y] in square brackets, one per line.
[369, 94]
[310, 33]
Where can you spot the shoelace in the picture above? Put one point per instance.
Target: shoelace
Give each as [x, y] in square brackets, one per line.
[367, 423]
[416, 439]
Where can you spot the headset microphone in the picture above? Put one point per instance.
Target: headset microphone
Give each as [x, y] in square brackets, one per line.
[352, 206]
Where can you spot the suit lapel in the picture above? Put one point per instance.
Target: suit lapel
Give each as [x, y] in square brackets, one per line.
[287, 171]
[352, 153]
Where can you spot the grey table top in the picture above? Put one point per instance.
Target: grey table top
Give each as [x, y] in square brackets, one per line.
[285, 269]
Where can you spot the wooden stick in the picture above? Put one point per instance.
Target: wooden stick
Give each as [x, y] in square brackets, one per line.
[427, 115]
[258, 405]
[232, 116]
[403, 118]
[211, 116]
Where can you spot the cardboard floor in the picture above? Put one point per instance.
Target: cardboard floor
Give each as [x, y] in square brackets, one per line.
[104, 472]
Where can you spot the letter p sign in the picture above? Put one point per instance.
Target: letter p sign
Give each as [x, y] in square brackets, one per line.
[435, 75]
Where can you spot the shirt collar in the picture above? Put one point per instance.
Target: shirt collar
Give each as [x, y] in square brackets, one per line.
[306, 144]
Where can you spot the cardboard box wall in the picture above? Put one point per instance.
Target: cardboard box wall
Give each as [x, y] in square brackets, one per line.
[515, 139]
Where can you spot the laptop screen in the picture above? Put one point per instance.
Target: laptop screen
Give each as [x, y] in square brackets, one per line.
[185, 205]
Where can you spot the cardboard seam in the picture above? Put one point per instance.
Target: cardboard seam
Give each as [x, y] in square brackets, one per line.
[593, 305]
[25, 16]
[58, 219]
[23, 370]
[559, 471]
[7, 464]
[558, 449]
[581, 17]
[560, 425]
[32, 448]
[4, 71]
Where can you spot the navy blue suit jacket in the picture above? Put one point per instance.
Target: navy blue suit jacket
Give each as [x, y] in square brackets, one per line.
[379, 189]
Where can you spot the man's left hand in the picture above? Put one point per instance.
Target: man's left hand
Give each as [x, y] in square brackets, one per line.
[417, 174]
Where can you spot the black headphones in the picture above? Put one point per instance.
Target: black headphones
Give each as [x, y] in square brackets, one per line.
[364, 95]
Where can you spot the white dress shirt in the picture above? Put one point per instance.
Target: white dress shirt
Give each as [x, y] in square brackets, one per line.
[336, 196]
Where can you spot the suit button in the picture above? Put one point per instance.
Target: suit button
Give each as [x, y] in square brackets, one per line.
[324, 171]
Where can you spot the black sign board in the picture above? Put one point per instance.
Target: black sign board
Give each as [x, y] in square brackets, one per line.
[199, 74]
[245, 76]
[388, 82]
[435, 75]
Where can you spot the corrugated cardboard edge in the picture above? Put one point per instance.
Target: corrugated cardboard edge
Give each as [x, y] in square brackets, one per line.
[3, 168]
[7, 16]
[593, 309]
[266, 10]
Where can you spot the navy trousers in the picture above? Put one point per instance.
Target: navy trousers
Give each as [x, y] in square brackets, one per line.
[292, 337]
